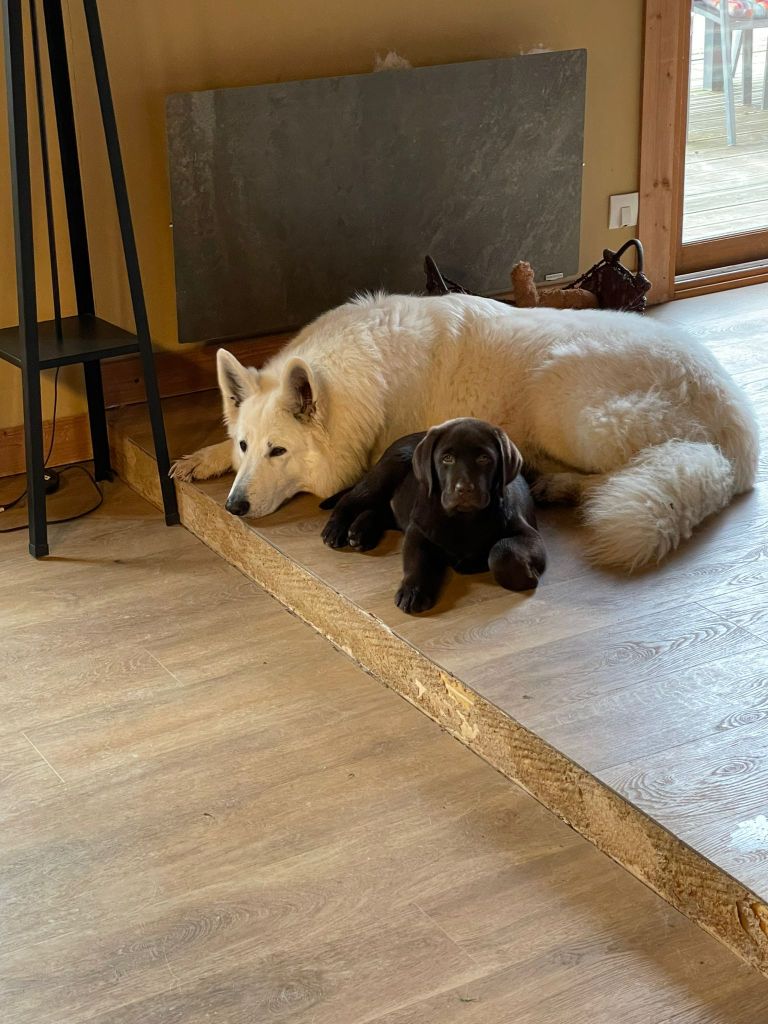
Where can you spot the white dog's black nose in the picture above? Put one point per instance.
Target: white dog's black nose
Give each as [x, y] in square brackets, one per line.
[237, 506]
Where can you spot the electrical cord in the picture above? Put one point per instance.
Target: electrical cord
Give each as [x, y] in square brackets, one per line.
[77, 515]
[7, 506]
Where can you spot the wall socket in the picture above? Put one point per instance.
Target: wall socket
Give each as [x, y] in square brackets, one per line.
[623, 210]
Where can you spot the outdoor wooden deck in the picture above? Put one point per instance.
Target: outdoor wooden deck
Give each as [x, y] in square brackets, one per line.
[726, 187]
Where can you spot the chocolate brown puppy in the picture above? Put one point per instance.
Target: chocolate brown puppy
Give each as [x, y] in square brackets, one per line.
[457, 494]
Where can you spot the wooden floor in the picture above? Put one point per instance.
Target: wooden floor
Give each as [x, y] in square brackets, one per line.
[210, 814]
[634, 707]
[726, 187]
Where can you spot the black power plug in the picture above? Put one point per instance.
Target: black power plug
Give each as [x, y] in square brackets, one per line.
[51, 480]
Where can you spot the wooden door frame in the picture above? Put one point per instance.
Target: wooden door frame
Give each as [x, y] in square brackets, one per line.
[664, 121]
[722, 252]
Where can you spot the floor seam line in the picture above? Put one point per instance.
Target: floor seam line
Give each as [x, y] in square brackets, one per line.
[37, 749]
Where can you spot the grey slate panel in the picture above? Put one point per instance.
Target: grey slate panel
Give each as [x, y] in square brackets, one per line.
[289, 198]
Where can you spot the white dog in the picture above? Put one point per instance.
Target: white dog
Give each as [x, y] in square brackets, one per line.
[635, 419]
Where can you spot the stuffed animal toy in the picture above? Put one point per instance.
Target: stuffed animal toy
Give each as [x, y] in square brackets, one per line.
[525, 293]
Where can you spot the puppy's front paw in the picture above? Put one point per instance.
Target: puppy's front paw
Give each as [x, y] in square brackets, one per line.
[412, 599]
[366, 531]
[336, 531]
[518, 563]
[520, 577]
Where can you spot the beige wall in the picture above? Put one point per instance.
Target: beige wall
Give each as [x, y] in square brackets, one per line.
[159, 46]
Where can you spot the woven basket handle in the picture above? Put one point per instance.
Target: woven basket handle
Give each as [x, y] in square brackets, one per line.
[616, 258]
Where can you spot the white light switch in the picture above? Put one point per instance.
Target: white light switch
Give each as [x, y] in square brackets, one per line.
[623, 211]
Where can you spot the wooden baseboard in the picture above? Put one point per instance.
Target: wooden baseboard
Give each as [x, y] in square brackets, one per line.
[73, 444]
[182, 372]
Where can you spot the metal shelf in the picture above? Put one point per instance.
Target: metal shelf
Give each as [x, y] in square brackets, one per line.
[84, 338]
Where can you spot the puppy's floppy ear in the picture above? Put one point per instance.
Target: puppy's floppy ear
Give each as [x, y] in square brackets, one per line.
[300, 389]
[511, 460]
[423, 467]
[236, 382]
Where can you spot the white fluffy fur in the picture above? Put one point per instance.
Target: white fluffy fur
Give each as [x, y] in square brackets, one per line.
[638, 418]
[642, 512]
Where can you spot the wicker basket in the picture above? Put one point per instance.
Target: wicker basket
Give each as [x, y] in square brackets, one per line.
[613, 285]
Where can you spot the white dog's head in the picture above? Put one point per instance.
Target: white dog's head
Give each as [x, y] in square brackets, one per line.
[279, 443]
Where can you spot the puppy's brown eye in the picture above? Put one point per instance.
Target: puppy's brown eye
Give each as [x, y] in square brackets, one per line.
[276, 452]
[483, 460]
[243, 446]
[448, 460]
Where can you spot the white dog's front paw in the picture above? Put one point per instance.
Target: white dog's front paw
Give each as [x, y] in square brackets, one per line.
[204, 463]
[186, 468]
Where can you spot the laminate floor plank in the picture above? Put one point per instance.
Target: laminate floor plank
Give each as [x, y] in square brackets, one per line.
[209, 813]
[714, 793]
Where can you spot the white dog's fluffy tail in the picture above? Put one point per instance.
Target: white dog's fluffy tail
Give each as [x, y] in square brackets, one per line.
[642, 512]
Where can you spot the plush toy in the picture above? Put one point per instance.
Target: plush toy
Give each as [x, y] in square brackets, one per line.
[525, 293]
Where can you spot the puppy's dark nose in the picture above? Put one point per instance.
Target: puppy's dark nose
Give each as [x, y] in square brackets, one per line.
[464, 487]
[238, 506]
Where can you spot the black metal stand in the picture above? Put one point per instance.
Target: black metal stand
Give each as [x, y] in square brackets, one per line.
[83, 338]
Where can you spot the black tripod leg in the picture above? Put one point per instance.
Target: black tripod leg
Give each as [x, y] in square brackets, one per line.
[13, 34]
[97, 417]
[33, 441]
[70, 162]
[167, 486]
[131, 259]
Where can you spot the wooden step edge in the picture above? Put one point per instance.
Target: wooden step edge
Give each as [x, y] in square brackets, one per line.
[679, 874]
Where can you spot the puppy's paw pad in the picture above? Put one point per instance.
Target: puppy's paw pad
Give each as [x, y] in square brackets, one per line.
[517, 574]
[411, 599]
[336, 533]
[365, 533]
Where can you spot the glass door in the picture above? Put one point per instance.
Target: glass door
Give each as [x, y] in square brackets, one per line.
[725, 194]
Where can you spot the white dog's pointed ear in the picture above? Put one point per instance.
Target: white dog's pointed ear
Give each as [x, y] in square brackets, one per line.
[236, 381]
[300, 389]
